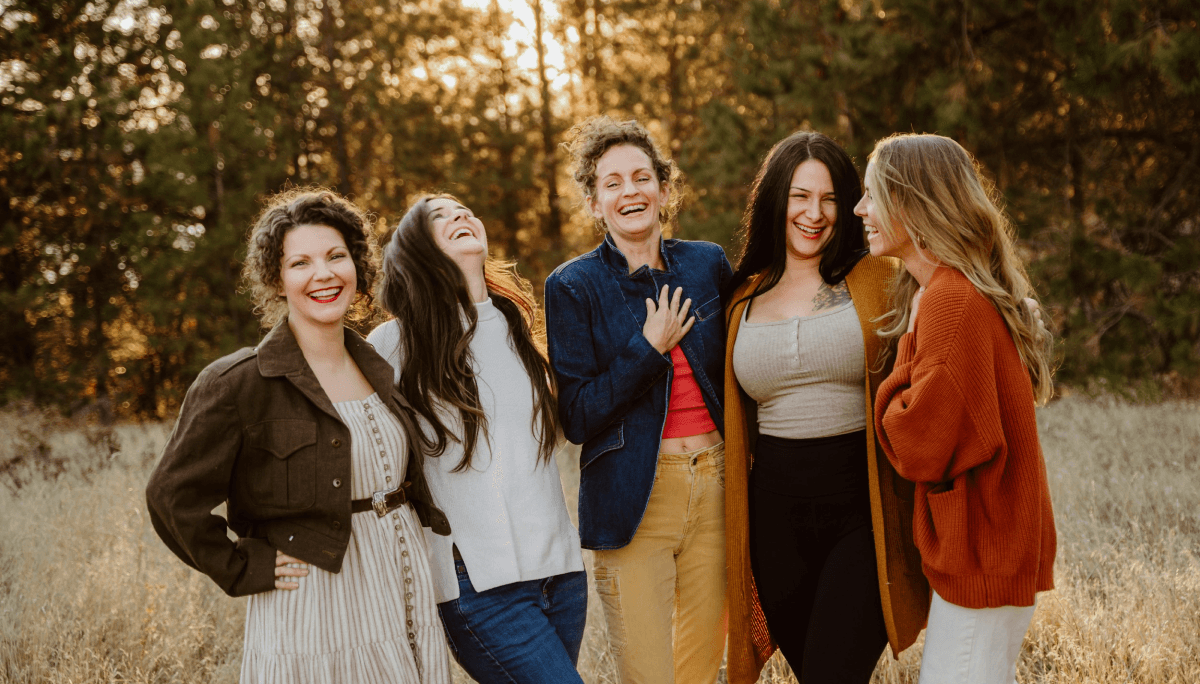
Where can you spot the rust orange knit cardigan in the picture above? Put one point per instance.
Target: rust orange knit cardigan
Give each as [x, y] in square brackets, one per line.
[956, 416]
[902, 587]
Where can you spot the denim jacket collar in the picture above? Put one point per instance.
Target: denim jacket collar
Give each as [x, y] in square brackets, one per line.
[615, 259]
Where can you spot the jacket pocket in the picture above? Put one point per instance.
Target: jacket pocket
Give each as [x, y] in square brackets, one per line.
[708, 309]
[611, 439]
[281, 468]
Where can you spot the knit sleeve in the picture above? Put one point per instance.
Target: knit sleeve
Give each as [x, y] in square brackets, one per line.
[932, 426]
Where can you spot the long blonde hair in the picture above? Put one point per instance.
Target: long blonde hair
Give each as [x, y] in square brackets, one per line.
[931, 188]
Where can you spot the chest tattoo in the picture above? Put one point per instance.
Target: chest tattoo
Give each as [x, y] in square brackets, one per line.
[829, 297]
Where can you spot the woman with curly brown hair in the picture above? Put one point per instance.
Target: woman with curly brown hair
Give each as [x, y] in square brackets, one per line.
[306, 441]
[641, 389]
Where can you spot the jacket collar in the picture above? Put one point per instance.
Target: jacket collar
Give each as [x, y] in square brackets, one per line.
[611, 255]
[279, 355]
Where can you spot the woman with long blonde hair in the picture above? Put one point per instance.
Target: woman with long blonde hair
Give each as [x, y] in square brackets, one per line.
[956, 415]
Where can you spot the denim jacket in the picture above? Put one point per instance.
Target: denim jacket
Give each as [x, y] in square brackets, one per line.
[614, 387]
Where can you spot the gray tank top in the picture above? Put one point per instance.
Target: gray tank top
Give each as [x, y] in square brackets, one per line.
[805, 372]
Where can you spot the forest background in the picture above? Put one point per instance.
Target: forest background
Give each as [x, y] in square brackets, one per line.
[138, 138]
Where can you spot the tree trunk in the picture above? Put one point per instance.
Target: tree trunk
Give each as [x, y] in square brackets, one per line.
[553, 223]
[337, 101]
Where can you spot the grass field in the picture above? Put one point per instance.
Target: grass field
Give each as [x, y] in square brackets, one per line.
[89, 594]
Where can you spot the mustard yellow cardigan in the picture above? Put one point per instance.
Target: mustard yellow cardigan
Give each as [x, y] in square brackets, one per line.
[902, 585]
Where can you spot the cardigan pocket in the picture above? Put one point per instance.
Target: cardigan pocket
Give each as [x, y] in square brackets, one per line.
[281, 468]
[951, 551]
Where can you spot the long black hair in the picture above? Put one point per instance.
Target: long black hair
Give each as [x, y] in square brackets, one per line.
[764, 225]
[426, 291]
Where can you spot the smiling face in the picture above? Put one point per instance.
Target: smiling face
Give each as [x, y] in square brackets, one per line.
[458, 233]
[891, 241]
[811, 210]
[628, 195]
[318, 276]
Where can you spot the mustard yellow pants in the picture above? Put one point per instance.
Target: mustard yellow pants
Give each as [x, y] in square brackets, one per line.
[664, 593]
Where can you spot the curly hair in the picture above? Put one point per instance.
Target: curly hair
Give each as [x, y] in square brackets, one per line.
[261, 272]
[588, 140]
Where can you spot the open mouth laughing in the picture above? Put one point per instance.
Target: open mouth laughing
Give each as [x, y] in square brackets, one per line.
[633, 209]
[326, 295]
[809, 232]
[461, 233]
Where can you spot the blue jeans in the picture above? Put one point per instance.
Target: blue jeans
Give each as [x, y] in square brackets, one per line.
[525, 632]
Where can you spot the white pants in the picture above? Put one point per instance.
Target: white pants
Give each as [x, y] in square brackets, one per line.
[973, 645]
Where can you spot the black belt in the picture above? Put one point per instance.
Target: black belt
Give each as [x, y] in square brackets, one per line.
[381, 502]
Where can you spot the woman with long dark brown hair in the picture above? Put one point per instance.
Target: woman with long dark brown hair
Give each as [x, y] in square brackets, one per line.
[821, 560]
[468, 353]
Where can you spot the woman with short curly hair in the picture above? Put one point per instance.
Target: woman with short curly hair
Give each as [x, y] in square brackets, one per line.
[636, 340]
[307, 443]
[297, 207]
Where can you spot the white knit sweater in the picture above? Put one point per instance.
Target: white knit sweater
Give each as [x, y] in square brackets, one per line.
[507, 513]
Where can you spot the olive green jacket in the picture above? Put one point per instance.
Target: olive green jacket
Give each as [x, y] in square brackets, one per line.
[257, 432]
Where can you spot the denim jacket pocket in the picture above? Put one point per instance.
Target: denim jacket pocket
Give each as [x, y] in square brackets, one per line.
[610, 439]
[287, 479]
[708, 309]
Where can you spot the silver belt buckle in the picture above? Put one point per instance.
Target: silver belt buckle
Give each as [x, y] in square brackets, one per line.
[379, 502]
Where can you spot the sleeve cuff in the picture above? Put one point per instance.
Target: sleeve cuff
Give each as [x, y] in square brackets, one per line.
[259, 573]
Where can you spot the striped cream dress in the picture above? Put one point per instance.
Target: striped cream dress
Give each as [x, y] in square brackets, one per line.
[376, 620]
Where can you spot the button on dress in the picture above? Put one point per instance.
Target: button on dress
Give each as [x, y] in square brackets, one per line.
[376, 620]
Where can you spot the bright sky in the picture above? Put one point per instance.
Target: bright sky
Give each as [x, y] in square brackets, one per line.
[520, 39]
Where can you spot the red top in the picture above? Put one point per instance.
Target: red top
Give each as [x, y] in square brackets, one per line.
[956, 417]
[686, 415]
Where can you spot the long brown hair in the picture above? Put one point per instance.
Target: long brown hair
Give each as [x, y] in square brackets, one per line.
[427, 293]
[931, 188]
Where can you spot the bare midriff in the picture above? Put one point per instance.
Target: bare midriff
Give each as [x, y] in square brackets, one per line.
[686, 413]
[682, 445]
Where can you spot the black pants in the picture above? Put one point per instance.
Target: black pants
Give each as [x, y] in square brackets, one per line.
[813, 555]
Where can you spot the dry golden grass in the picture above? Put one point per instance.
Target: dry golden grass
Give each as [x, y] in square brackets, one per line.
[89, 594]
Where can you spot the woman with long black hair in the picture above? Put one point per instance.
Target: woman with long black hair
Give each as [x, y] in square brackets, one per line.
[820, 553]
[468, 353]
